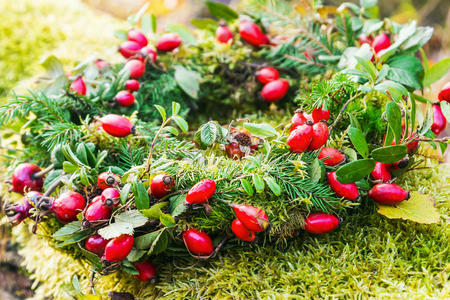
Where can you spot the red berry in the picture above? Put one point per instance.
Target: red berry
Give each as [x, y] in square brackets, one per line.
[135, 67]
[67, 206]
[381, 42]
[320, 114]
[107, 179]
[241, 231]
[347, 190]
[275, 90]
[201, 191]
[118, 248]
[320, 136]
[78, 86]
[252, 34]
[116, 125]
[23, 178]
[132, 85]
[124, 98]
[267, 74]
[300, 118]
[138, 37]
[148, 52]
[147, 272]
[299, 139]
[253, 218]
[101, 64]
[168, 42]
[444, 94]
[97, 211]
[161, 185]
[388, 193]
[381, 172]
[412, 146]
[129, 49]
[364, 39]
[233, 150]
[439, 121]
[198, 242]
[110, 197]
[331, 156]
[223, 34]
[320, 223]
[96, 244]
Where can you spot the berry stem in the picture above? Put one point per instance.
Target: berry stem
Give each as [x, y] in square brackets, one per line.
[41, 173]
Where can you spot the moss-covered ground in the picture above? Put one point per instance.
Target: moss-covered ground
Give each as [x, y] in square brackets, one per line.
[369, 256]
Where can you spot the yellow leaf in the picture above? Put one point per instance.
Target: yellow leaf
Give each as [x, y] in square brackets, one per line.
[419, 208]
[88, 297]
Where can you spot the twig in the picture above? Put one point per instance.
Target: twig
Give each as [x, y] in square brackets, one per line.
[338, 118]
[43, 172]
[439, 140]
[304, 61]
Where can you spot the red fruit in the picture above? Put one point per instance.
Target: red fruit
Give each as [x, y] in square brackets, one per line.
[224, 34]
[267, 74]
[381, 42]
[96, 244]
[116, 125]
[124, 98]
[107, 179]
[300, 118]
[241, 231]
[132, 85]
[364, 39]
[110, 197]
[201, 191]
[253, 218]
[198, 242]
[275, 90]
[161, 185]
[168, 42]
[320, 136]
[148, 52]
[334, 156]
[101, 64]
[412, 146]
[381, 172]
[439, 121]
[388, 193]
[444, 94]
[118, 248]
[320, 223]
[252, 34]
[23, 178]
[129, 49]
[135, 67]
[78, 86]
[347, 190]
[147, 272]
[67, 206]
[97, 211]
[138, 37]
[234, 151]
[320, 114]
[299, 139]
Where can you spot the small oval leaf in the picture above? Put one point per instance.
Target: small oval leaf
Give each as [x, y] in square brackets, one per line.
[359, 141]
[355, 170]
[389, 154]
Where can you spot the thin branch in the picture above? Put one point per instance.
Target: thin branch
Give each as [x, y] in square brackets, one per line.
[304, 61]
[338, 118]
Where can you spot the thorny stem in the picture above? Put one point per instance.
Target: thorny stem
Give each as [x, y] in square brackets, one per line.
[338, 118]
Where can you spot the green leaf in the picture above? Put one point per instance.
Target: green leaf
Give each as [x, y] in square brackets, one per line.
[393, 89]
[133, 217]
[92, 258]
[221, 11]
[177, 205]
[258, 182]
[189, 81]
[208, 134]
[146, 24]
[69, 167]
[53, 66]
[161, 111]
[135, 255]
[76, 285]
[437, 71]
[121, 35]
[372, 26]
[154, 212]
[394, 117]
[141, 197]
[368, 67]
[206, 23]
[419, 208]
[368, 3]
[160, 244]
[184, 33]
[389, 154]
[130, 270]
[445, 107]
[172, 130]
[406, 70]
[420, 38]
[273, 185]
[124, 193]
[315, 171]
[167, 220]
[359, 141]
[428, 121]
[116, 229]
[355, 170]
[67, 230]
[351, 154]
[154, 23]
[75, 238]
[260, 130]
[82, 154]
[181, 123]
[247, 187]
[175, 108]
[144, 242]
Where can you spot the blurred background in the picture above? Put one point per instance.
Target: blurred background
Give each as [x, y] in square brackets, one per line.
[73, 30]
